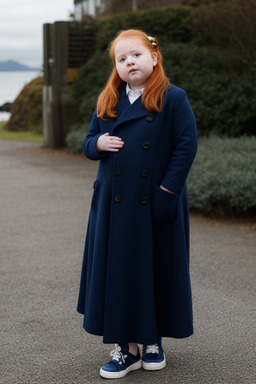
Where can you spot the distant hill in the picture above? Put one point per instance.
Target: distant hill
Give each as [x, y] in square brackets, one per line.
[12, 65]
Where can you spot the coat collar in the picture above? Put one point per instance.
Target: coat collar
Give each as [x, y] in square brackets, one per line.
[127, 111]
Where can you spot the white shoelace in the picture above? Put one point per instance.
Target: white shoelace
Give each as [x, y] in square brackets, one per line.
[117, 354]
[153, 348]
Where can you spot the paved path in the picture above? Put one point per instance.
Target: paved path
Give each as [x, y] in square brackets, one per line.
[44, 204]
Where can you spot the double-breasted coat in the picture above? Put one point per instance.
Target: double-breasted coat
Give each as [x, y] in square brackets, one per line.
[135, 281]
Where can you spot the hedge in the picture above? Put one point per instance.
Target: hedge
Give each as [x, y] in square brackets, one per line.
[221, 89]
[222, 180]
[223, 102]
[88, 83]
[168, 24]
[75, 137]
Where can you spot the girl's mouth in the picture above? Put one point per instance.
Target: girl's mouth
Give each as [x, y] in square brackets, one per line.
[132, 70]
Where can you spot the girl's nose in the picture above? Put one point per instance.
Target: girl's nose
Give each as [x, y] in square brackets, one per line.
[130, 61]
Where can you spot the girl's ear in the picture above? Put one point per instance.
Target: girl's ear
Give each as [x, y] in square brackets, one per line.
[154, 57]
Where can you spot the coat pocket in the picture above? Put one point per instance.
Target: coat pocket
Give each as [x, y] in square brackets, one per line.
[163, 205]
[95, 196]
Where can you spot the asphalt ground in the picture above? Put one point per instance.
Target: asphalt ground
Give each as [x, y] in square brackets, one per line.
[45, 202]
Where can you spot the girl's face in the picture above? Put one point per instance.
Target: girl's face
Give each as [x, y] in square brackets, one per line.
[134, 62]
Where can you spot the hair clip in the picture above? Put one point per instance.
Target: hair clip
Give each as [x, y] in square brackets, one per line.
[153, 41]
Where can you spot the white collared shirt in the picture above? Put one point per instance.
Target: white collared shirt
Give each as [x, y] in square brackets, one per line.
[133, 95]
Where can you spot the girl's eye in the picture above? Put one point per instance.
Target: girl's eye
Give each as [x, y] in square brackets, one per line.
[137, 54]
[122, 60]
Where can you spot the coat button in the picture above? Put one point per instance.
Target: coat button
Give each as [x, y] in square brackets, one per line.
[146, 145]
[150, 117]
[117, 198]
[144, 200]
[144, 173]
[118, 172]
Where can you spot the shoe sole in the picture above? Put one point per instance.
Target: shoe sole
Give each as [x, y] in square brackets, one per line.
[118, 375]
[153, 366]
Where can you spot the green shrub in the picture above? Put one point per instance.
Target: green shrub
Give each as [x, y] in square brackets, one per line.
[230, 27]
[89, 82]
[222, 181]
[116, 6]
[223, 177]
[223, 102]
[223, 98]
[76, 137]
[26, 112]
[168, 24]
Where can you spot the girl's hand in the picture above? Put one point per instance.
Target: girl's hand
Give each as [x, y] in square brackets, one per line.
[167, 190]
[109, 143]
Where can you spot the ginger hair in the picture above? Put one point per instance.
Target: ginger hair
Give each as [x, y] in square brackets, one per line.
[157, 84]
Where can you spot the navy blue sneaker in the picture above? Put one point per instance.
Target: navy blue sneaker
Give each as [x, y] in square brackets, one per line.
[153, 357]
[122, 362]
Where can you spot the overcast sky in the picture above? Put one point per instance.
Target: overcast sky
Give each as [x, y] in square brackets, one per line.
[21, 27]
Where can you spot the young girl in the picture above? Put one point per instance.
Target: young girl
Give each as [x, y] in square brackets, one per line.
[135, 283]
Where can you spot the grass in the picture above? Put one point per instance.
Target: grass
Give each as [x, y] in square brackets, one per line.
[19, 136]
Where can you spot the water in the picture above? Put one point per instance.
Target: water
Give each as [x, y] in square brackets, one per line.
[11, 83]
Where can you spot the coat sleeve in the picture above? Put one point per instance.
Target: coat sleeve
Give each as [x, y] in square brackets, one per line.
[184, 144]
[89, 144]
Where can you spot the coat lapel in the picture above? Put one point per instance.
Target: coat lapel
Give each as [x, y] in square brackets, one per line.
[128, 111]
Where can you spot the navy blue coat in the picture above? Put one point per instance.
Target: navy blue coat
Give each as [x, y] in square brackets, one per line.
[135, 282]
